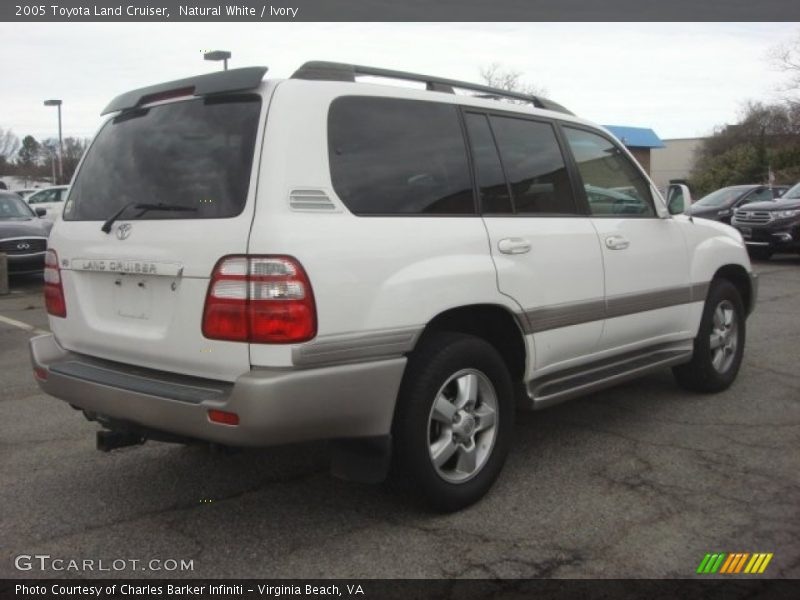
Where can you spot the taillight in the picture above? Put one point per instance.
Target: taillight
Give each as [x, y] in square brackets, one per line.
[260, 299]
[53, 290]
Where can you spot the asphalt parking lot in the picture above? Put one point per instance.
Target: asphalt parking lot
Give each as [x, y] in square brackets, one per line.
[638, 481]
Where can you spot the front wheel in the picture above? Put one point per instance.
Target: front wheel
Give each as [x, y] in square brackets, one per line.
[719, 345]
[454, 420]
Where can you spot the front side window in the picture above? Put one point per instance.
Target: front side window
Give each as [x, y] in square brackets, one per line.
[195, 154]
[391, 156]
[613, 185]
[534, 166]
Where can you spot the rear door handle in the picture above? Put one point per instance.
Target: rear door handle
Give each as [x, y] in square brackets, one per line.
[514, 245]
[616, 242]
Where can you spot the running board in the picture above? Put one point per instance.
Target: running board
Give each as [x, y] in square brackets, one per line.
[568, 384]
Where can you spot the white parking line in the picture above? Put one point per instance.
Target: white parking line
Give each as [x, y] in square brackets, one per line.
[21, 325]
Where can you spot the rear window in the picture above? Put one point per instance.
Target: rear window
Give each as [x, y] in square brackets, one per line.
[391, 156]
[196, 154]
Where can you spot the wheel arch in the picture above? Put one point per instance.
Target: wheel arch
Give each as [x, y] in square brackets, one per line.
[492, 322]
[741, 279]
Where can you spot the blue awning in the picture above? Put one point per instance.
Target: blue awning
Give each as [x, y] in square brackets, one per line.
[636, 137]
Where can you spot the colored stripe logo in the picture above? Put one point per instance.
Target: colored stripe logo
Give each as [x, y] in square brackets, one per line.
[734, 563]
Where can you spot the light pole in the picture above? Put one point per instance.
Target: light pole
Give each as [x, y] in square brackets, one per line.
[222, 55]
[60, 141]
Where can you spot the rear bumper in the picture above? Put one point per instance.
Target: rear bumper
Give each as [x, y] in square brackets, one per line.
[275, 406]
[25, 263]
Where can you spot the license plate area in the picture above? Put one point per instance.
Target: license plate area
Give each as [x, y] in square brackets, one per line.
[747, 232]
[132, 296]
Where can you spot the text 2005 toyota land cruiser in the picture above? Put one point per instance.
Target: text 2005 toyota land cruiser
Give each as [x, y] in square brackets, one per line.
[253, 262]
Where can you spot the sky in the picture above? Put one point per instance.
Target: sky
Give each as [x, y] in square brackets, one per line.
[681, 79]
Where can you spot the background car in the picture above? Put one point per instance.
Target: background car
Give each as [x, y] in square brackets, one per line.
[720, 204]
[25, 192]
[23, 234]
[770, 227]
[51, 199]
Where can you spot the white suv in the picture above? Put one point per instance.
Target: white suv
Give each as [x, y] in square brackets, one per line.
[252, 262]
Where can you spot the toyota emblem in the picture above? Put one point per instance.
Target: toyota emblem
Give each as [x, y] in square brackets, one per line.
[23, 246]
[123, 231]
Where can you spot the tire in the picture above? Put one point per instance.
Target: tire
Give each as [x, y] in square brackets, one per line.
[714, 370]
[761, 253]
[440, 374]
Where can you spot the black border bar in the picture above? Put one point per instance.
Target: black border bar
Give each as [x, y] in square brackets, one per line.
[399, 10]
[730, 588]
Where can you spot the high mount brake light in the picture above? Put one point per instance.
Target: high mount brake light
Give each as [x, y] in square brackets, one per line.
[260, 299]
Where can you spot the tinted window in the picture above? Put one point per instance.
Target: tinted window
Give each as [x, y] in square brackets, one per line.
[196, 154]
[614, 186]
[43, 196]
[534, 166]
[761, 195]
[722, 196]
[792, 193]
[13, 207]
[488, 170]
[391, 156]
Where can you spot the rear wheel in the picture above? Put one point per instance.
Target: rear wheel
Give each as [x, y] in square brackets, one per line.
[454, 419]
[719, 345]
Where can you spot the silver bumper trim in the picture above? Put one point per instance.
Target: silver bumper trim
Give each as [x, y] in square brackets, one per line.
[275, 406]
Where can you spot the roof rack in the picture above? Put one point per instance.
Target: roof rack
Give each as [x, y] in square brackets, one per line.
[235, 80]
[331, 71]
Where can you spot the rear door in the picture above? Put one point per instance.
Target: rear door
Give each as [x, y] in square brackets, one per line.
[546, 253]
[135, 294]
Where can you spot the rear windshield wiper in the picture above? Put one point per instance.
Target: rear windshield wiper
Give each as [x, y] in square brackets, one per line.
[143, 208]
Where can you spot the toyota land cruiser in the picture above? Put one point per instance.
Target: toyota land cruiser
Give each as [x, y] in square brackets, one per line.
[252, 262]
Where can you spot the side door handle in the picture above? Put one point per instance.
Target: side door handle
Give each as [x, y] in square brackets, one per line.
[514, 245]
[616, 242]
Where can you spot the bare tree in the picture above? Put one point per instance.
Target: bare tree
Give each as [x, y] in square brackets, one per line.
[9, 144]
[496, 76]
[786, 58]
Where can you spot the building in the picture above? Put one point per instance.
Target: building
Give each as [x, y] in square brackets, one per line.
[639, 140]
[675, 160]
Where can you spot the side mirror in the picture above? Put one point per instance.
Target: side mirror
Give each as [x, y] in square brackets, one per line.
[40, 212]
[679, 198]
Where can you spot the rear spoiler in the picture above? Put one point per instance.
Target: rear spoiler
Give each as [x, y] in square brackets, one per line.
[235, 80]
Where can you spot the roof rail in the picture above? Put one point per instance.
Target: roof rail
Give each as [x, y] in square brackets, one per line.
[331, 71]
[235, 80]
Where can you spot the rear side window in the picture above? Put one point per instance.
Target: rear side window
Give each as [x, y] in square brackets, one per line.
[196, 154]
[534, 166]
[390, 156]
[488, 169]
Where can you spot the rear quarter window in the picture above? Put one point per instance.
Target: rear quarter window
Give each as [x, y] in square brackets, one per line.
[196, 153]
[392, 156]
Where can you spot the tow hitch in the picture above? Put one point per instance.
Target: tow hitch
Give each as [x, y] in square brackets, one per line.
[111, 440]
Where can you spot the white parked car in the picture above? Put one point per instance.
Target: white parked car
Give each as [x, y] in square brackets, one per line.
[51, 199]
[253, 262]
